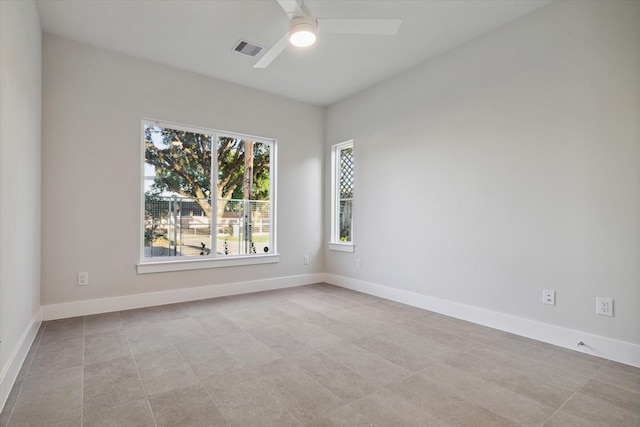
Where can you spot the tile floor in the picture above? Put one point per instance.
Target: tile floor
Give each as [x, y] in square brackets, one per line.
[316, 355]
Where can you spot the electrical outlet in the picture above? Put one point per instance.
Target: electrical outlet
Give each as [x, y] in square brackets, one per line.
[604, 306]
[306, 260]
[83, 279]
[359, 264]
[548, 297]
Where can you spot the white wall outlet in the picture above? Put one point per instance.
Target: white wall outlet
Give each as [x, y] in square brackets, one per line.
[604, 306]
[306, 260]
[83, 279]
[548, 297]
[359, 264]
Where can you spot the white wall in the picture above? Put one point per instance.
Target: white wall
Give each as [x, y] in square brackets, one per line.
[93, 102]
[20, 114]
[507, 165]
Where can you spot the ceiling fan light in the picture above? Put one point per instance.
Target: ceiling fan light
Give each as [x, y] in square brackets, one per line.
[302, 32]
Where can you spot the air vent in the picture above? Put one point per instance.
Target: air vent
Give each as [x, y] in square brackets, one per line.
[247, 48]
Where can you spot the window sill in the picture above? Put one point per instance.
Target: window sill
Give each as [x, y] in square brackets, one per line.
[198, 264]
[342, 247]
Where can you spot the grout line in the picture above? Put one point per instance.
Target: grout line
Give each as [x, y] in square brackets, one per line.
[270, 393]
[193, 372]
[135, 363]
[573, 394]
[36, 345]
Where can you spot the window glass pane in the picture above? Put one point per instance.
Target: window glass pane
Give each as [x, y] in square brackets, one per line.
[346, 163]
[243, 221]
[177, 192]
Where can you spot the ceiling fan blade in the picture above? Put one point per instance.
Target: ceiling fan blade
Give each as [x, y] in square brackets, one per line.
[273, 53]
[291, 8]
[388, 27]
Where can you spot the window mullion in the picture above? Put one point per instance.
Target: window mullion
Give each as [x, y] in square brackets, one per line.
[213, 221]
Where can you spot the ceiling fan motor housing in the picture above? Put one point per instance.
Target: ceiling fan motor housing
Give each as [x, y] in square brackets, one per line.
[303, 30]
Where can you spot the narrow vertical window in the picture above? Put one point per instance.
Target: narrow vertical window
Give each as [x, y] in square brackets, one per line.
[342, 163]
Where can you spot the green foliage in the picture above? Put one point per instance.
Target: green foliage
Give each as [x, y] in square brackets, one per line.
[182, 162]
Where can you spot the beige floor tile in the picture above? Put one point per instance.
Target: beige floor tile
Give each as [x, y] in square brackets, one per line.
[403, 312]
[320, 302]
[164, 370]
[562, 359]
[333, 375]
[105, 346]
[246, 350]
[333, 326]
[279, 339]
[619, 375]
[189, 406]
[111, 383]
[515, 407]
[395, 353]
[388, 408]
[9, 404]
[304, 397]
[56, 330]
[139, 317]
[366, 364]
[388, 317]
[217, 325]
[363, 321]
[510, 379]
[207, 358]
[66, 422]
[244, 401]
[336, 301]
[200, 307]
[105, 322]
[563, 419]
[615, 396]
[136, 414]
[257, 317]
[432, 349]
[346, 294]
[54, 355]
[146, 338]
[185, 330]
[313, 335]
[436, 335]
[460, 327]
[448, 407]
[345, 416]
[550, 373]
[291, 308]
[301, 354]
[52, 396]
[596, 412]
[169, 312]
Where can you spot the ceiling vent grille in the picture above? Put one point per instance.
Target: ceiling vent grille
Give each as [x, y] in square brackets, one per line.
[247, 48]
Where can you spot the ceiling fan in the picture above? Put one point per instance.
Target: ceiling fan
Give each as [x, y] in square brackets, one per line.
[303, 28]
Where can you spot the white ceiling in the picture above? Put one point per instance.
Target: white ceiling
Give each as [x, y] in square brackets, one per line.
[198, 35]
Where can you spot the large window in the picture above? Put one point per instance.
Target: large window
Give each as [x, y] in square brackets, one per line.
[342, 179]
[208, 195]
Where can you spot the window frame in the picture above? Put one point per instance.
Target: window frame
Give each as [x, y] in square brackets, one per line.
[178, 263]
[335, 244]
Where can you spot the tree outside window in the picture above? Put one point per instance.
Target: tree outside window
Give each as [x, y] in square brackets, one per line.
[195, 206]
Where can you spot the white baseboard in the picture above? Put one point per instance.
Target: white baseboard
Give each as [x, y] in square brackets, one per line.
[126, 302]
[17, 357]
[619, 351]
